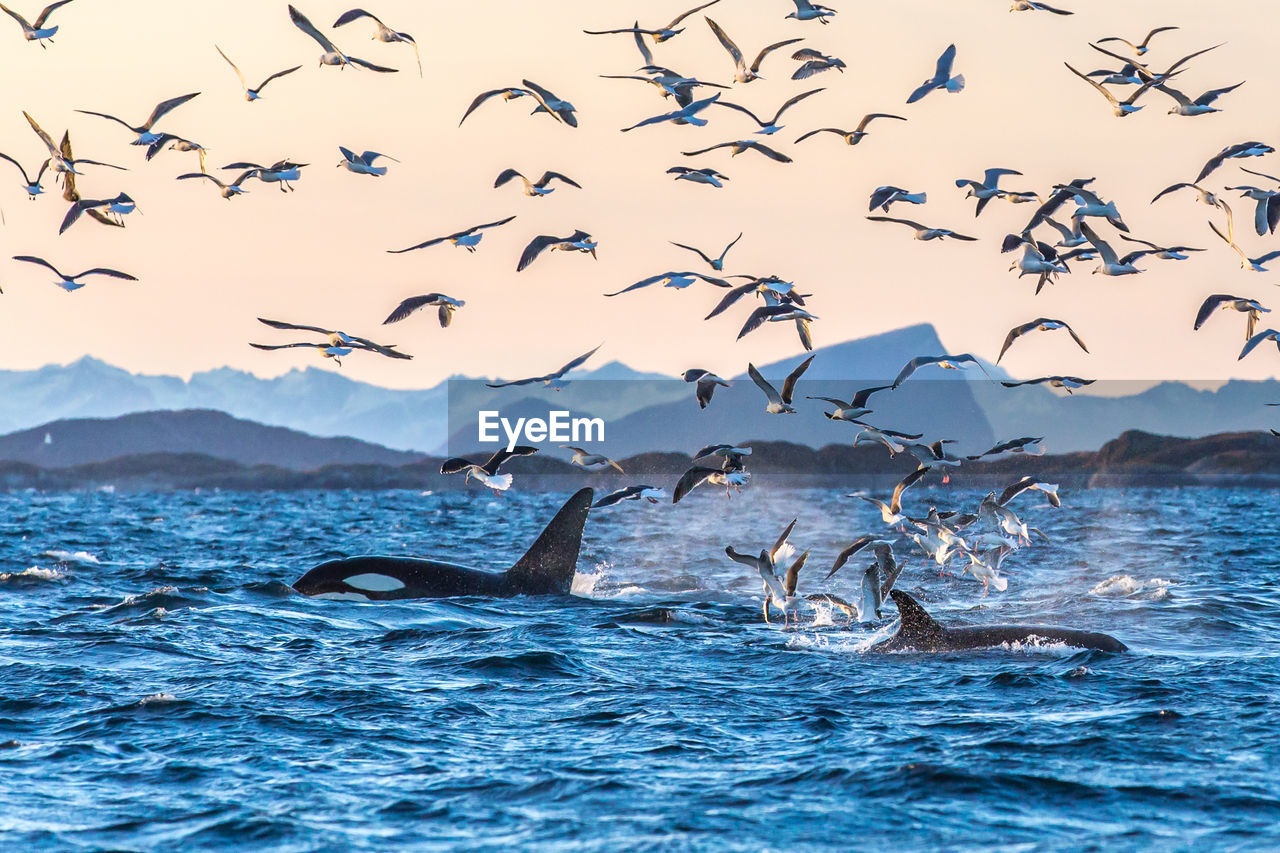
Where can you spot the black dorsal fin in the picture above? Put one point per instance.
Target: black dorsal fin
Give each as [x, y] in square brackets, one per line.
[918, 628]
[547, 568]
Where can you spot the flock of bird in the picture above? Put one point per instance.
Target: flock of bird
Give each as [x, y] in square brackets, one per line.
[1072, 221]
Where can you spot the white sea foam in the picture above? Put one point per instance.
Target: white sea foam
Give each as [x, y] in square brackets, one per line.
[72, 557]
[1125, 586]
[32, 575]
[157, 699]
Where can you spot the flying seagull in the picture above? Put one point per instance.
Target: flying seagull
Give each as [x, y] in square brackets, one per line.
[852, 137]
[591, 461]
[1249, 307]
[687, 114]
[556, 107]
[855, 408]
[468, 239]
[986, 189]
[32, 188]
[741, 146]
[660, 34]
[923, 232]
[509, 93]
[707, 382]
[71, 282]
[744, 73]
[716, 264]
[781, 312]
[1068, 383]
[779, 404]
[227, 191]
[1202, 105]
[253, 93]
[652, 494]
[578, 241]
[146, 135]
[1119, 108]
[362, 164]
[282, 172]
[37, 31]
[59, 159]
[383, 33]
[892, 511]
[1111, 264]
[1140, 48]
[1261, 337]
[771, 126]
[946, 362]
[814, 62]
[1015, 445]
[942, 77]
[808, 11]
[446, 304]
[1233, 152]
[535, 189]
[332, 55]
[1041, 324]
[1036, 6]
[698, 176]
[489, 473]
[554, 380]
[336, 340]
[678, 280]
[121, 205]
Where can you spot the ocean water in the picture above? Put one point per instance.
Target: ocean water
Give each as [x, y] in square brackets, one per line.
[162, 688]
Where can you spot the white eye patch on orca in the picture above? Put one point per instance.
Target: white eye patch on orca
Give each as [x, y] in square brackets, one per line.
[374, 582]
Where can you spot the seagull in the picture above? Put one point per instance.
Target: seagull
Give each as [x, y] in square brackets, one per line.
[741, 146]
[31, 187]
[1068, 383]
[1146, 76]
[774, 289]
[488, 473]
[362, 164]
[923, 232]
[1233, 152]
[779, 404]
[170, 142]
[1017, 445]
[986, 189]
[1200, 106]
[685, 115]
[770, 127]
[1030, 483]
[36, 32]
[807, 11]
[468, 239]
[1250, 307]
[982, 570]
[1266, 214]
[1119, 108]
[888, 437]
[856, 546]
[122, 205]
[699, 474]
[253, 93]
[780, 594]
[698, 176]
[282, 172]
[1257, 264]
[1261, 337]
[852, 137]
[679, 280]
[446, 304]
[383, 33]
[670, 83]
[652, 494]
[1038, 259]
[225, 190]
[891, 512]
[946, 362]
[146, 135]
[336, 340]
[578, 241]
[742, 72]
[1041, 324]
[508, 94]
[591, 461]
[538, 189]
[1111, 264]
[1140, 48]
[716, 264]
[733, 455]
[855, 408]
[1206, 196]
[548, 103]
[61, 162]
[1166, 253]
[942, 77]
[885, 197]
[934, 454]
[70, 282]
[332, 55]
[815, 62]
[660, 34]
[706, 384]
[877, 580]
[1090, 204]
[781, 312]
[555, 380]
[1036, 6]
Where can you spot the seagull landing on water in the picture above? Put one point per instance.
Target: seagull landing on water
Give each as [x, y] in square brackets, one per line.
[468, 239]
[555, 380]
[362, 164]
[716, 264]
[332, 55]
[1249, 307]
[650, 494]
[253, 93]
[38, 31]
[742, 72]
[807, 11]
[32, 188]
[852, 137]
[578, 241]
[1041, 324]
[780, 404]
[71, 282]
[446, 305]
[942, 77]
[591, 461]
[383, 33]
[924, 232]
[535, 189]
[659, 34]
[707, 382]
[488, 473]
[146, 135]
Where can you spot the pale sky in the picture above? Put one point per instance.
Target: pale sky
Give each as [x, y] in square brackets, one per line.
[208, 267]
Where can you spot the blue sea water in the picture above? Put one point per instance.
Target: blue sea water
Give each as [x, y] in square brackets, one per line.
[162, 688]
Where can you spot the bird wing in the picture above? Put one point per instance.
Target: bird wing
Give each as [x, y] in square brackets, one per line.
[280, 324]
[22, 22]
[916, 225]
[433, 241]
[1212, 95]
[483, 227]
[364, 63]
[910, 368]
[355, 15]
[708, 148]
[543, 96]
[861, 396]
[791, 102]
[264, 83]
[48, 10]
[726, 42]
[577, 362]
[675, 21]
[1095, 84]
[755, 66]
[500, 457]
[234, 67]
[690, 480]
[1015, 333]
[943, 69]
[758, 318]
[870, 117]
[303, 23]
[408, 306]
[743, 109]
[108, 116]
[789, 384]
[31, 259]
[793, 573]
[107, 272]
[769, 152]
[165, 107]
[480, 99]
[907, 482]
[731, 297]
[843, 557]
[1252, 343]
[44, 137]
[535, 248]
[1075, 337]
[697, 252]
[547, 177]
[1103, 247]
[763, 384]
[28, 180]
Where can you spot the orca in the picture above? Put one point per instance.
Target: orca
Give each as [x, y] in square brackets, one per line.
[918, 631]
[546, 569]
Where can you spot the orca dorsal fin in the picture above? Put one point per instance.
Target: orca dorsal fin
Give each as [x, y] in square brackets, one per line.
[918, 627]
[549, 565]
